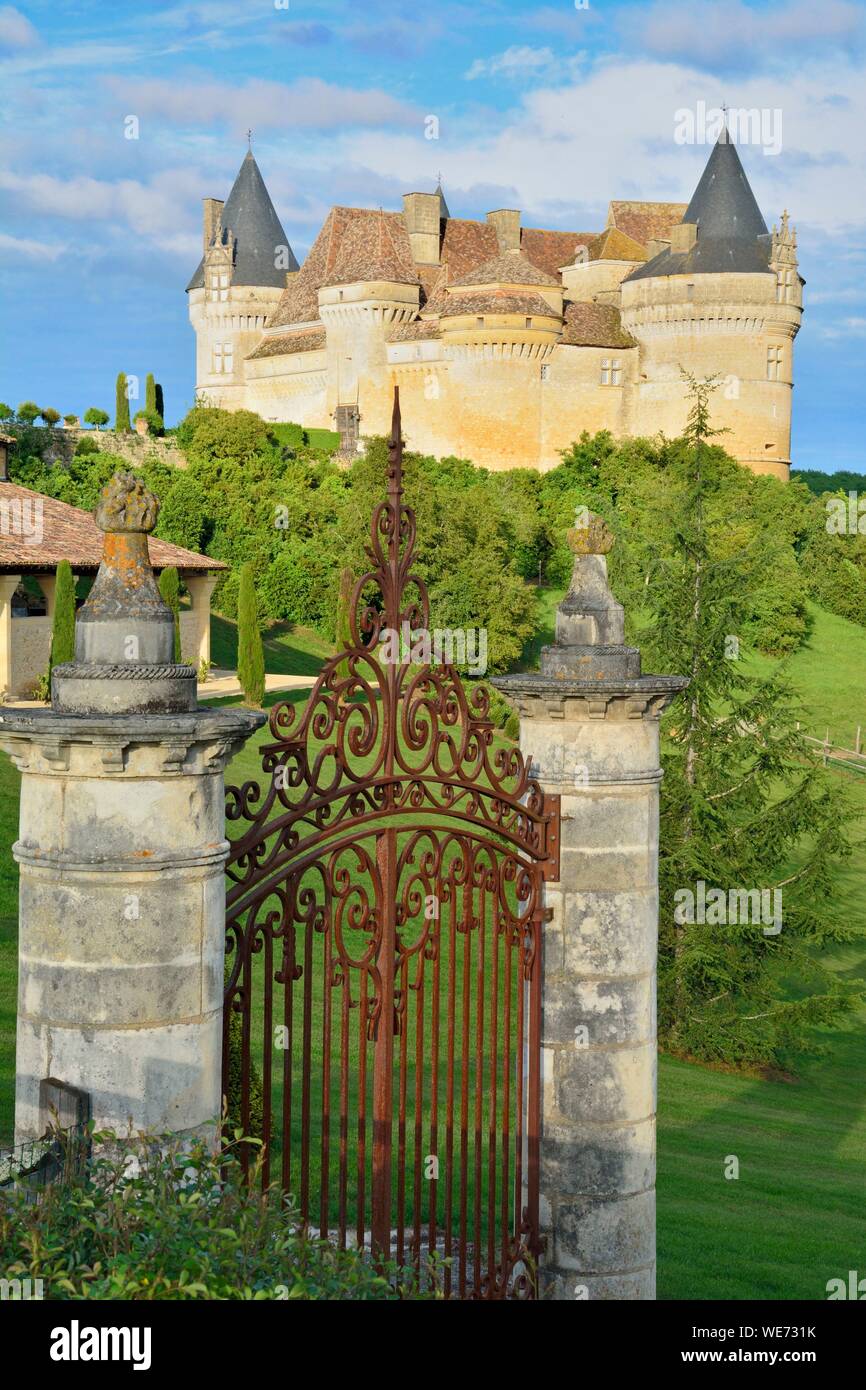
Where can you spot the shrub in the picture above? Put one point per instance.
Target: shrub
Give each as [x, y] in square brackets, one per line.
[154, 421]
[86, 446]
[286, 587]
[183, 516]
[70, 420]
[50, 416]
[182, 1224]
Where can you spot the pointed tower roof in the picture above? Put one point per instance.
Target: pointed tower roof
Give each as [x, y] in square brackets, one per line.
[731, 233]
[250, 216]
[444, 214]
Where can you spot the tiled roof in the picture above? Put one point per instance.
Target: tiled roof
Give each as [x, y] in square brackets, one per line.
[374, 246]
[509, 268]
[497, 302]
[594, 325]
[71, 534]
[614, 245]
[250, 216]
[466, 245]
[645, 221]
[284, 343]
[550, 251]
[411, 332]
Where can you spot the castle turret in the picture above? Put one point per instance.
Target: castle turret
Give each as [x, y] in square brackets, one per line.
[721, 298]
[373, 286]
[246, 265]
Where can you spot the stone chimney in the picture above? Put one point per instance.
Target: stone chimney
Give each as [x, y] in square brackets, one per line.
[421, 214]
[683, 237]
[506, 223]
[213, 208]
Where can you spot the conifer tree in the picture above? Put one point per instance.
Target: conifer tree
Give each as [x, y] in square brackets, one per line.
[149, 392]
[169, 588]
[63, 626]
[343, 625]
[251, 658]
[746, 805]
[159, 401]
[121, 405]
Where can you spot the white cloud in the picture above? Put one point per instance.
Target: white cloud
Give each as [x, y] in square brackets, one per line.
[308, 103]
[517, 61]
[16, 31]
[564, 151]
[154, 211]
[28, 249]
[718, 35]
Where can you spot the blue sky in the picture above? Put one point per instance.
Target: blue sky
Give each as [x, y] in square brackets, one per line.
[547, 107]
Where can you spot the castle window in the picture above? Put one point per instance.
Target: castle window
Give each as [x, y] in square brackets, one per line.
[479, 322]
[615, 373]
[224, 286]
[223, 357]
[774, 364]
[527, 323]
[545, 371]
[605, 372]
[611, 372]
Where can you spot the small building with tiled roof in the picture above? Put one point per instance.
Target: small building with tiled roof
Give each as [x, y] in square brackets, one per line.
[36, 533]
[508, 341]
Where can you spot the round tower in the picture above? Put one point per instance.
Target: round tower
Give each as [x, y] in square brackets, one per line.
[724, 300]
[244, 269]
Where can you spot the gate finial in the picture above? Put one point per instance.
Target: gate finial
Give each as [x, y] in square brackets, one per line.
[395, 451]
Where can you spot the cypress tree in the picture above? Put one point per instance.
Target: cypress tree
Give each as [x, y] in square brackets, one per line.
[251, 657]
[169, 588]
[158, 401]
[121, 405]
[343, 625]
[63, 627]
[150, 392]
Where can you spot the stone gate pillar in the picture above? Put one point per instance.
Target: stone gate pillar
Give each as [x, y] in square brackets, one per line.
[590, 722]
[121, 853]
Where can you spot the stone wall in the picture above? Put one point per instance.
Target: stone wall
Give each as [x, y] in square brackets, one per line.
[133, 448]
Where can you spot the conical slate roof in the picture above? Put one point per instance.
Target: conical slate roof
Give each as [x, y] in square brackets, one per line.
[732, 234]
[250, 216]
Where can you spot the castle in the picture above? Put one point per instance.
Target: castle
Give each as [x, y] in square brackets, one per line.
[506, 341]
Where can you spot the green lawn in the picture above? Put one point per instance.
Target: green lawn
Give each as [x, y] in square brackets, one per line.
[289, 650]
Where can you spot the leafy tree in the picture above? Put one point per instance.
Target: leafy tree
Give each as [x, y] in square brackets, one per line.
[251, 658]
[121, 405]
[745, 804]
[95, 416]
[50, 416]
[184, 514]
[6, 411]
[70, 419]
[63, 627]
[28, 412]
[169, 588]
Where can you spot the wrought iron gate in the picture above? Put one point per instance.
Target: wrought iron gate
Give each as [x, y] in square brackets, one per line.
[384, 920]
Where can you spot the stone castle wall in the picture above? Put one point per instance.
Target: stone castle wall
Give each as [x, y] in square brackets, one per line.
[133, 448]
